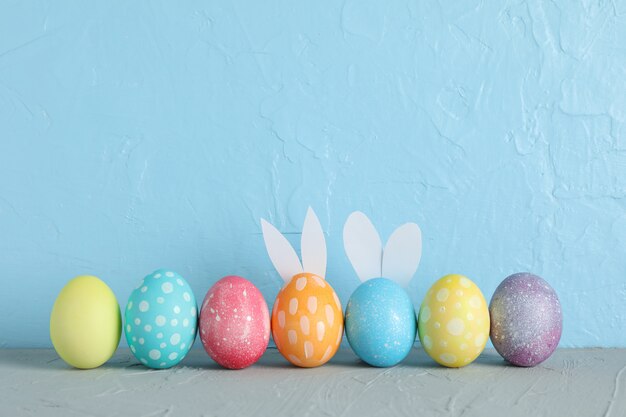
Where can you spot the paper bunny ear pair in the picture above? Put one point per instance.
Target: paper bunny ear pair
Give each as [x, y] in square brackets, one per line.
[399, 259]
[312, 246]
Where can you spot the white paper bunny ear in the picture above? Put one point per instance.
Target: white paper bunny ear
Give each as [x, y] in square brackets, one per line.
[313, 245]
[282, 254]
[402, 254]
[363, 246]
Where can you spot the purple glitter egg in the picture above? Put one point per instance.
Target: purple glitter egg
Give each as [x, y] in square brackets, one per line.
[526, 319]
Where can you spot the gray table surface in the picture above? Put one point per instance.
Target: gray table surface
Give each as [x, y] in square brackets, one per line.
[573, 382]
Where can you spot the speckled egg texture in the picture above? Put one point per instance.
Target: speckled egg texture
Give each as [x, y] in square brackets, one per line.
[234, 323]
[380, 322]
[526, 319]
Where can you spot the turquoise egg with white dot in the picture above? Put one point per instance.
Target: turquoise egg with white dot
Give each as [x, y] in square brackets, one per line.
[161, 319]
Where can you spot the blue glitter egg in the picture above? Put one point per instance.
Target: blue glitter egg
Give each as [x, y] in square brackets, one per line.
[380, 322]
[161, 319]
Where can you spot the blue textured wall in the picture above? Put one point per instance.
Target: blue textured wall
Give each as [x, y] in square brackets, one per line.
[137, 136]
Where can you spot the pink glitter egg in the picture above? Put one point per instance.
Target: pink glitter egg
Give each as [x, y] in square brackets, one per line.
[234, 323]
[526, 319]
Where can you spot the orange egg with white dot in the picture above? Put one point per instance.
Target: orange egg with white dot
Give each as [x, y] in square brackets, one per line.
[453, 323]
[307, 321]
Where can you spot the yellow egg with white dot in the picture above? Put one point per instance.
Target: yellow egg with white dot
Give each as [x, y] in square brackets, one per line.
[453, 322]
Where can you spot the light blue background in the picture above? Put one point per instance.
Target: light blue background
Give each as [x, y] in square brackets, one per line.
[140, 135]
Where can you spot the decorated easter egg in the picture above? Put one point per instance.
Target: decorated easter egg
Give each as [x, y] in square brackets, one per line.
[161, 319]
[234, 323]
[526, 319]
[307, 321]
[85, 324]
[453, 322]
[380, 322]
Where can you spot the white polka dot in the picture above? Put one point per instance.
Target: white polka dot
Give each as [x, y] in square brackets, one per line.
[447, 358]
[162, 345]
[160, 300]
[167, 287]
[326, 354]
[437, 325]
[137, 321]
[470, 316]
[465, 282]
[319, 281]
[457, 305]
[134, 339]
[159, 335]
[174, 322]
[459, 293]
[300, 283]
[442, 294]
[308, 349]
[141, 341]
[128, 328]
[474, 302]
[304, 325]
[281, 319]
[463, 346]
[182, 346]
[468, 335]
[295, 359]
[179, 282]
[193, 311]
[425, 316]
[172, 356]
[320, 330]
[455, 326]
[169, 274]
[162, 364]
[147, 328]
[175, 339]
[133, 349]
[130, 305]
[217, 317]
[186, 296]
[160, 320]
[144, 306]
[330, 315]
[339, 334]
[176, 309]
[337, 303]
[157, 276]
[185, 322]
[479, 340]
[154, 354]
[144, 289]
[144, 361]
[292, 336]
[442, 309]
[293, 306]
[312, 304]
[428, 342]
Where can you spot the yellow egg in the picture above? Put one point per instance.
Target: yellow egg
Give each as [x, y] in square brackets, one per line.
[85, 323]
[453, 322]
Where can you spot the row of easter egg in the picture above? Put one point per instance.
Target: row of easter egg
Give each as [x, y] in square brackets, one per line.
[162, 320]
[307, 320]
